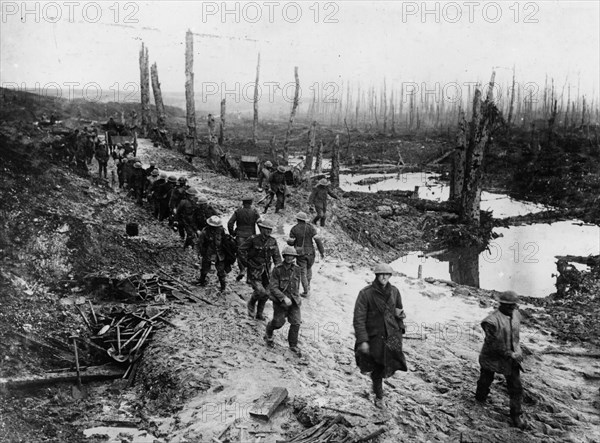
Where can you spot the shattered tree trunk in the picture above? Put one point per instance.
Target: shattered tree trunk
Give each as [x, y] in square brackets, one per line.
[312, 137]
[384, 103]
[319, 159]
[222, 124]
[512, 99]
[335, 162]
[479, 133]
[189, 88]
[161, 118]
[459, 158]
[145, 90]
[292, 115]
[273, 149]
[255, 122]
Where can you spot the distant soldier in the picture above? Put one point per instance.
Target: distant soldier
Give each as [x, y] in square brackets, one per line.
[303, 236]
[242, 225]
[186, 222]
[378, 328]
[203, 211]
[164, 196]
[284, 287]
[137, 182]
[501, 353]
[155, 192]
[102, 159]
[150, 180]
[318, 198]
[264, 174]
[150, 168]
[257, 253]
[177, 195]
[278, 188]
[210, 248]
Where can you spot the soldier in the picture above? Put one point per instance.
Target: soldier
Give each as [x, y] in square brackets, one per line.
[378, 327]
[278, 188]
[318, 198]
[150, 180]
[257, 253]
[501, 352]
[210, 248]
[154, 193]
[186, 221]
[164, 196]
[302, 236]
[137, 182]
[176, 196]
[203, 212]
[264, 174]
[150, 168]
[102, 159]
[242, 225]
[283, 288]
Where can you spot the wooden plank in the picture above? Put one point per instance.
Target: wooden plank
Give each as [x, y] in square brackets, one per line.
[30, 381]
[266, 405]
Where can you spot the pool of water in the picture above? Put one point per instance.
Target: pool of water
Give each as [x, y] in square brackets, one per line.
[523, 259]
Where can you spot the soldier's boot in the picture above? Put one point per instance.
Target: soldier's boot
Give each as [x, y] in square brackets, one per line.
[260, 309]
[202, 280]
[516, 412]
[223, 282]
[378, 390]
[269, 335]
[251, 306]
[293, 339]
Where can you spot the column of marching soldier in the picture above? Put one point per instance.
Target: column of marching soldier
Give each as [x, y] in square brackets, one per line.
[378, 312]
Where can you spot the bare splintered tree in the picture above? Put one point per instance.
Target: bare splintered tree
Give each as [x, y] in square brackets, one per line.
[189, 87]
[161, 117]
[255, 122]
[292, 115]
[145, 90]
[335, 162]
[312, 137]
[319, 158]
[458, 160]
[222, 124]
[484, 117]
[512, 99]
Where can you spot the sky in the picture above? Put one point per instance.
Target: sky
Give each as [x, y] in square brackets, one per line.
[429, 45]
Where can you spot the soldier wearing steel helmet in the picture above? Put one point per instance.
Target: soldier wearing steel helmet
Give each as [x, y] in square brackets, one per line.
[164, 196]
[318, 198]
[210, 248]
[154, 192]
[177, 195]
[278, 188]
[303, 236]
[378, 327]
[137, 182]
[242, 225]
[264, 174]
[256, 254]
[501, 353]
[284, 289]
[186, 217]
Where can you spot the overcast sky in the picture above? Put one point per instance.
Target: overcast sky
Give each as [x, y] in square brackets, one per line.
[336, 42]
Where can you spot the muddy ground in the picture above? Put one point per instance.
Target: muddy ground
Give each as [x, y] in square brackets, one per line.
[199, 379]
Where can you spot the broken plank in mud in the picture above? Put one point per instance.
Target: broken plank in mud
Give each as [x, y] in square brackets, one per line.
[266, 405]
[91, 374]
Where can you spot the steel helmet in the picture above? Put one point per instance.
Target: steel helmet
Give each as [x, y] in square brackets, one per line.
[247, 198]
[268, 164]
[289, 250]
[172, 179]
[153, 163]
[202, 199]
[266, 224]
[508, 298]
[302, 216]
[215, 221]
[154, 172]
[137, 165]
[383, 268]
[191, 191]
[163, 175]
[281, 168]
[323, 182]
[182, 180]
[291, 241]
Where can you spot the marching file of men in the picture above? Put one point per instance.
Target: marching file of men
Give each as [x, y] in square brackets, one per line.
[279, 276]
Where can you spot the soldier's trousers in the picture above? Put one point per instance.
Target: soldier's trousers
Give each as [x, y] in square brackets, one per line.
[102, 169]
[260, 295]
[205, 269]
[239, 239]
[190, 235]
[306, 263]
[280, 313]
[377, 379]
[163, 209]
[280, 200]
[321, 214]
[515, 388]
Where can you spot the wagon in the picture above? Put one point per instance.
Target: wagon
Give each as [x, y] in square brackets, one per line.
[249, 166]
[114, 140]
